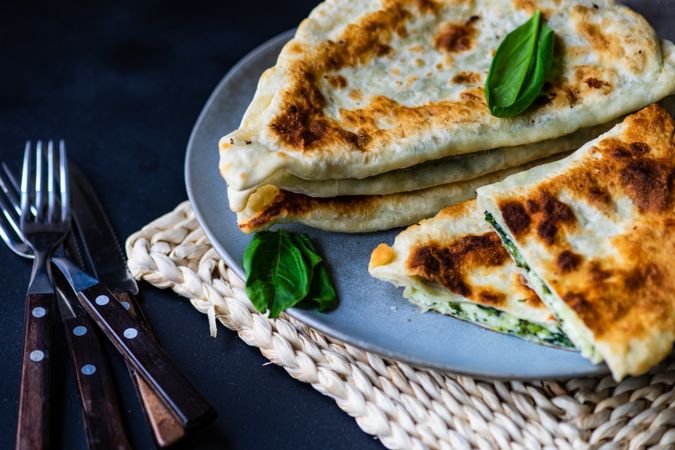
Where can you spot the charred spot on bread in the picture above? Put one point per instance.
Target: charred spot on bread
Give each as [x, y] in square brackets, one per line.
[516, 217]
[448, 264]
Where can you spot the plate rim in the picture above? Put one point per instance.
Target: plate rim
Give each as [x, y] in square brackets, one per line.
[296, 313]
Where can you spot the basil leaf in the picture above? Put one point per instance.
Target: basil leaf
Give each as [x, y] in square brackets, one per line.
[308, 250]
[277, 274]
[535, 80]
[283, 270]
[321, 290]
[511, 64]
[519, 68]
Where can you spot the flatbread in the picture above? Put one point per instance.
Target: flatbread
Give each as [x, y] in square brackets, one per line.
[432, 173]
[597, 232]
[455, 264]
[373, 86]
[270, 205]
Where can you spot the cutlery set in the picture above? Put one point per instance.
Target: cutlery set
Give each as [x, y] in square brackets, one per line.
[79, 270]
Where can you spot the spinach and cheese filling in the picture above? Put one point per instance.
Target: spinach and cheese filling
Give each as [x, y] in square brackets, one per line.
[508, 243]
[490, 318]
[566, 317]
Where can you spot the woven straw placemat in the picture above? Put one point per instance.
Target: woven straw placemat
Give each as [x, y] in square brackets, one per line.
[404, 406]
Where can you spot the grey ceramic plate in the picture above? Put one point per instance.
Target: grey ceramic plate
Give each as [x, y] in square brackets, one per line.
[371, 314]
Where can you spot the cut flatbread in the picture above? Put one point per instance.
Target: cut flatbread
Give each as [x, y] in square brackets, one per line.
[596, 234]
[358, 214]
[455, 264]
[367, 87]
[432, 173]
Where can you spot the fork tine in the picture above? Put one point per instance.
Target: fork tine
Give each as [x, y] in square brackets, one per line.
[26, 182]
[13, 190]
[39, 200]
[10, 232]
[10, 187]
[9, 211]
[64, 182]
[51, 212]
[9, 198]
[4, 233]
[10, 176]
[9, 215]
[10, 220]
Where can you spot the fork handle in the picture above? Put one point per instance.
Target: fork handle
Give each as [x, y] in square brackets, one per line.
[166, 429]
[100, 410]
[32, 431]
[146, 356]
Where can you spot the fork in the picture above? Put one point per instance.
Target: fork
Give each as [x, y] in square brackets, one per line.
[43, 228]
[167, 430]
[44, 231]
[100, 410]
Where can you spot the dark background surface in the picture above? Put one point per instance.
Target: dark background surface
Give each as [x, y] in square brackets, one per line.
[123, 83]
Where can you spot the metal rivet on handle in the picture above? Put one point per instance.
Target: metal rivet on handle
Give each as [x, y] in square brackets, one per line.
[102, 300]
[126, 305]
[37, 355]
[79, 330]
[38, 312]
[88, 369]
[130, 333]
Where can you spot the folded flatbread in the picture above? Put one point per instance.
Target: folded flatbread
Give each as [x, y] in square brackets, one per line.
[360, 213]
[367, 87]
[596, 233]
[455, 264]
[429, 174]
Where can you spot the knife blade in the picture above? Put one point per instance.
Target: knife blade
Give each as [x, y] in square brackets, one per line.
[102, 250]
[100, 244]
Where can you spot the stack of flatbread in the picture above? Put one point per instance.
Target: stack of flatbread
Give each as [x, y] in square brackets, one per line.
[375, 117]
[592, 234]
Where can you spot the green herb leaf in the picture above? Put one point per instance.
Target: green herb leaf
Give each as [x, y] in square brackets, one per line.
[321, 290]
[308, 250]
[511, 63]
[520, 67]
[283, 270]
[535, 80]
[277, 275]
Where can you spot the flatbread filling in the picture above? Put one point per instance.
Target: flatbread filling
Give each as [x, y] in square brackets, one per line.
[562, 313]
[490, 318]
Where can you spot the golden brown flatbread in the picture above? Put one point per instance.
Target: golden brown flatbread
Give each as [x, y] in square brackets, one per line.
[367, 87]
[455, 264]
[596, 232]
[360, 213]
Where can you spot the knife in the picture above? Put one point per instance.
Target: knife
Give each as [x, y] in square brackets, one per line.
[100, 410]
[101, 249]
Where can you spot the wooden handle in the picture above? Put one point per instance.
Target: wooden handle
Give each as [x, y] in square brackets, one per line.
[146, 356]
[166, 429]
[101, 414]
[32, 431]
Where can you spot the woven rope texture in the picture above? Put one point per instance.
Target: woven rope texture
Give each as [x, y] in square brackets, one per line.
[404, 406]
